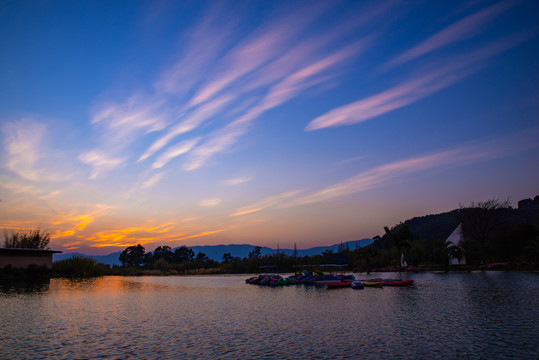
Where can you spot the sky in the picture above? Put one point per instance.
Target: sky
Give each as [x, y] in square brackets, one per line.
[271, 123]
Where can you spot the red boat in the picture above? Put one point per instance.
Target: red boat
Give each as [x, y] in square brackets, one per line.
[335, 285]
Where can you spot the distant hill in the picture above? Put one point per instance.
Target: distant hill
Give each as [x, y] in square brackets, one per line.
[440, 226]
[215, 252]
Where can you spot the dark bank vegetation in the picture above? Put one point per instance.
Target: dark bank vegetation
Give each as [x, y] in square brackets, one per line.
[79, 266]
[492, 233]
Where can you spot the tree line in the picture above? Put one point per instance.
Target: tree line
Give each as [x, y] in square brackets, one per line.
[491, 232]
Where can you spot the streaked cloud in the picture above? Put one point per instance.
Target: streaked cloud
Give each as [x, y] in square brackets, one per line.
[100, 162]
[204, 44]
[271, 55]
[286, 89]
[25, 151]
[175, 151]
[218, 141]
[238, 181]
[265, 203]
[487, 149]
[209, 202]
[450, 71]
[191, 122]
[17, 187]
[463, 29]
[122, 121]
[256, 49]
[480, 151]
[152, 180]
[202, 234]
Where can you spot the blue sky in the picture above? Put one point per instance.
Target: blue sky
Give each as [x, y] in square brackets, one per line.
[262, 122]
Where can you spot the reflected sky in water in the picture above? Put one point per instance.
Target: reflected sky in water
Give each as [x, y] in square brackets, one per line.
[468, 315]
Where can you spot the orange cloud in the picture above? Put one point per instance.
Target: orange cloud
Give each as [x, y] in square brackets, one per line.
[69, 225]
[205, 233]
[132, 235]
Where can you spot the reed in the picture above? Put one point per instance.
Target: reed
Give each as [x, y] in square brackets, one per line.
[79, 266]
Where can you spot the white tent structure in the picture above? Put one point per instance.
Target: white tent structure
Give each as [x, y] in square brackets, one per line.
[403, 262]
[454, 240]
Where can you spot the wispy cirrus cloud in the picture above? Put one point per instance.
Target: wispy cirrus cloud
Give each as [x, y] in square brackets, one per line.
[465, 28]
[25, 152]
[154, 179]
[286, 89]
[123, 121]
[209, 202]
[270, 56]
[214, 73]
[468, 154]
[202, 234]
[175, 151]
[444, 74]
[100, 162]
[484, 150]
[238, 181]
[191, 121]
[265, 203]
[263, 45]
[204, 44]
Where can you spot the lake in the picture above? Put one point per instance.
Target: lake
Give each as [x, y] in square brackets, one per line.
[477, 315]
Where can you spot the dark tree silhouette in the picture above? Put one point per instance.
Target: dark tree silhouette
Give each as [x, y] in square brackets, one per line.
[163, 252]
[132, 256]
[201, 258]
[256, 252]
[400, 235]
[479, 222]
[227, 258]
[184, 254]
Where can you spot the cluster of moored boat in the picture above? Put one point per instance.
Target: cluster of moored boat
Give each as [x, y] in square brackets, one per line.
[318, 279]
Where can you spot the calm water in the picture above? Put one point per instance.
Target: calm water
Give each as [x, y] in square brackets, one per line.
[477, 315]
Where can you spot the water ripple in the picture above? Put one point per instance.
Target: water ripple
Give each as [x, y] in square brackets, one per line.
[466, 316]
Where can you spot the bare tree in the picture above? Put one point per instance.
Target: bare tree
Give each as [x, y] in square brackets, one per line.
[480, 220]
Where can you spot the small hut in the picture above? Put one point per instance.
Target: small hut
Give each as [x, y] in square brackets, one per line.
[23, 258]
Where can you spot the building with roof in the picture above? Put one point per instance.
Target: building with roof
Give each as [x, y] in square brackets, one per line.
[23, 258]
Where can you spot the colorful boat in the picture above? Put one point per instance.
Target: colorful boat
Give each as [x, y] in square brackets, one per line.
[357, 285]
[340, 284]
[373, 283]
[269, 279]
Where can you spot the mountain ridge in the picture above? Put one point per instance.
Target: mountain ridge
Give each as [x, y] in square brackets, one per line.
[215, 252]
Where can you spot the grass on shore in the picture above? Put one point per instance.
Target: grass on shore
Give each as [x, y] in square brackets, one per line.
[79, 266]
